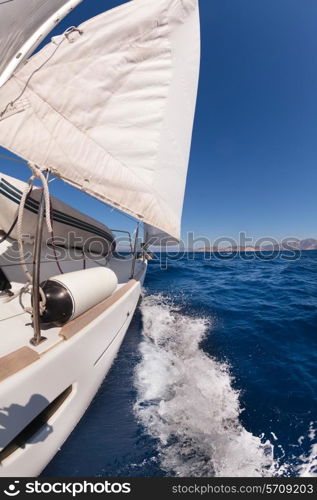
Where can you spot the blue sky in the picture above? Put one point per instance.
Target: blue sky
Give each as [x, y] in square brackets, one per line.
[254, 151]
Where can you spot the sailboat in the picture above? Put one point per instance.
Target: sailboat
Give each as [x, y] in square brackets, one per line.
[107, 107]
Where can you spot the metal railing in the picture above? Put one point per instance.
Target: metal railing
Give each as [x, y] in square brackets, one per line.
[133, 248]
[37, 337]
[124, 232]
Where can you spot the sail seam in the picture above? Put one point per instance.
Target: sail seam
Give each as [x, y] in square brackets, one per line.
[103, 152]
[151, 188]
[29, 79]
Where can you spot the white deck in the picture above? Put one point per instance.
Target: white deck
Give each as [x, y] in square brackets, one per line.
[16, 328]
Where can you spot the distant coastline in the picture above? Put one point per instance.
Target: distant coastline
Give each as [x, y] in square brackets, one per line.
[306, 244]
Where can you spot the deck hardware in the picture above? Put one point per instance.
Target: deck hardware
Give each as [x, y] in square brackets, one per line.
[135, 250]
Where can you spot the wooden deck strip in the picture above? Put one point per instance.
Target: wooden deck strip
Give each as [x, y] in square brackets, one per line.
[23, 357]
[16, 360]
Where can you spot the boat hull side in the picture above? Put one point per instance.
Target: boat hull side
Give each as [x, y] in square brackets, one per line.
[81, 362]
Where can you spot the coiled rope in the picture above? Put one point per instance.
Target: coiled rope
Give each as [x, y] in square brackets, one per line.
[37, 173]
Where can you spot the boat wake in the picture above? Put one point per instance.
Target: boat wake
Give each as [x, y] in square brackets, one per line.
[186, 401]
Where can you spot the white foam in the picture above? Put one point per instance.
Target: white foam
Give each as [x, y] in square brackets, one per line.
[312, 433]
[186, 401]
[308, 467]
[308, 462]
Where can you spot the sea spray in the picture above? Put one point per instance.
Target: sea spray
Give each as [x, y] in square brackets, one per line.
[187, 403]
[307, 466]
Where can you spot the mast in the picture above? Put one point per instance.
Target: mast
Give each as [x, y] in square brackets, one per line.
[36, 38]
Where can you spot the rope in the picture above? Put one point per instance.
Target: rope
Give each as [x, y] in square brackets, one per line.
[7, 235]
[26, 289]
[19, 228]
[70, 30]
[36, 173]
[19, 221]
[10, 158]
[66, 35]
[3, 112]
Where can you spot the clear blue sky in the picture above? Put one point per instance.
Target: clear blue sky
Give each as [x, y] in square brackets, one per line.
[253, 165]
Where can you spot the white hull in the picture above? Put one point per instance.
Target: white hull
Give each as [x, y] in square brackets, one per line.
[78, 363]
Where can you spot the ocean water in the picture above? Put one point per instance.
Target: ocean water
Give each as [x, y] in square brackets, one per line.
[217, 376]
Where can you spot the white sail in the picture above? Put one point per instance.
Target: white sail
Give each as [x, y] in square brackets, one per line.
[110, 108]
[155, 237]
[23, 25]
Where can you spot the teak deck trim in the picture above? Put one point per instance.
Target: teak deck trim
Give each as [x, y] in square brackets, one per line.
[25, 356]
[16, 360]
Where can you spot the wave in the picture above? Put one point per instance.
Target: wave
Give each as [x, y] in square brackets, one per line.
[307, 466]
[186, 401]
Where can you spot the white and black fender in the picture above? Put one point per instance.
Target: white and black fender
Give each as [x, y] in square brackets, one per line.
[71, 294]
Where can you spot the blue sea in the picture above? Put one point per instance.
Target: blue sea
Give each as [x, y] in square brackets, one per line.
[217, 375]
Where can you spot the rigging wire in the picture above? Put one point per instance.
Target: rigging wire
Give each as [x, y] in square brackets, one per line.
[65, 37]
[36, 173]
[7, 157]
[7, 234]
[111, 208]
